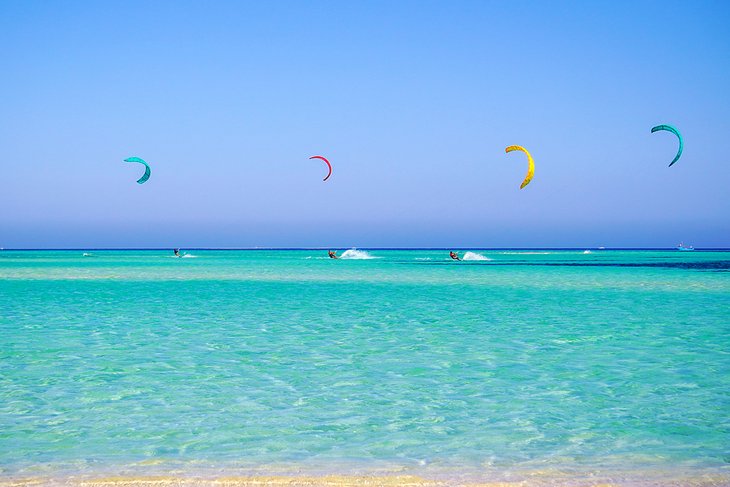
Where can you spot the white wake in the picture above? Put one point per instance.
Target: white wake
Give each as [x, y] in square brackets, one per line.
[355, 254]
[474, 256]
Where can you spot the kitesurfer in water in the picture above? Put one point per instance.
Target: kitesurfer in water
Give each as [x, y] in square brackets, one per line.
[177, 252]
[454, 255]
[332, 254]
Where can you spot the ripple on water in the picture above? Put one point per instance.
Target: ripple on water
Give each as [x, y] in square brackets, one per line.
[437, 368]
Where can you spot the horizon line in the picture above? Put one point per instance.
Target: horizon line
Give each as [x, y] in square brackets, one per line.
[349, 247]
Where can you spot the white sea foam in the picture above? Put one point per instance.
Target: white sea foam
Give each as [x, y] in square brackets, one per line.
[355, 254]
[587, 252]
[188, 256]
[423, 258]
[474, 256]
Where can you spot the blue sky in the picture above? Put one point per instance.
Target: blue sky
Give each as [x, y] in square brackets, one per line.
[412, 102]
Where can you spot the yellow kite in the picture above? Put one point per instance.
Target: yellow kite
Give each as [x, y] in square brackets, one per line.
[530, 162]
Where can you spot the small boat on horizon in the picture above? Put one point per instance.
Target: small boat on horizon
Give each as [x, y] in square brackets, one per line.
[682, 248]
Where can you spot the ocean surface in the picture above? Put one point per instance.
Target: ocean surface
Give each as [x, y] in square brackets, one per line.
[511, 364]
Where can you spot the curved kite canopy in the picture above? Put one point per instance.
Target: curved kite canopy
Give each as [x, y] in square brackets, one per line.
[530, 162]
[670, 128]
[329, 166]
[147, 171]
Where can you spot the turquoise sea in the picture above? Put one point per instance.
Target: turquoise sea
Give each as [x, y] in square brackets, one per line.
[513, 364]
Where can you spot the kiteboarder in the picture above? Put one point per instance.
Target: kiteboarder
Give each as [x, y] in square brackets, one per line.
[454, 255]
[177, 252]
[333, 254]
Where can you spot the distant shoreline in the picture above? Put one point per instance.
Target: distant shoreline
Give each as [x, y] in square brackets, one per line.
[569, 249]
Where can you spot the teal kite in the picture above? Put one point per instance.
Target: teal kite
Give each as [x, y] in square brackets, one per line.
[147, 171]
[673, 130]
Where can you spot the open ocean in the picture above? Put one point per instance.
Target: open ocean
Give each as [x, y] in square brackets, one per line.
[515, 364]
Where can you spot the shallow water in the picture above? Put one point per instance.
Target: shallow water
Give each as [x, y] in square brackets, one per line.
[526, 361]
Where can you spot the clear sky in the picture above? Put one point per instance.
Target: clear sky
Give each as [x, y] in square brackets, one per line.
[412, 102]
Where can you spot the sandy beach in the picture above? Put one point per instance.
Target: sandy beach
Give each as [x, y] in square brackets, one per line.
[543, 479]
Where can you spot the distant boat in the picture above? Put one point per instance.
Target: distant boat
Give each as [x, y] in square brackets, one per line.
[682, 248]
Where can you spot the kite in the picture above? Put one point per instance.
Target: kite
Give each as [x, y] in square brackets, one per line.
[531, 164]
[673, 130]
[147, 171]
[329, 166]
